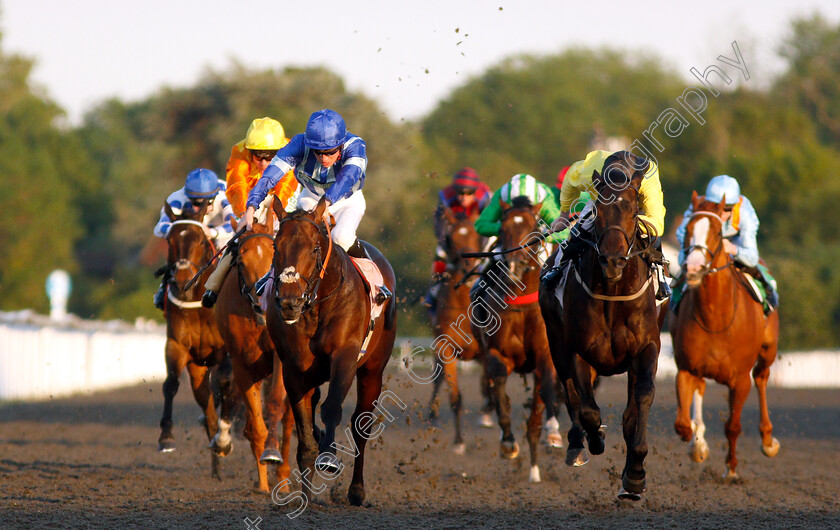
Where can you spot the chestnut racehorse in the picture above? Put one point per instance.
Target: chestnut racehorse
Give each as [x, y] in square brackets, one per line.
[319, 321]
[506, 319]
[192, 337]
[252, 353]
[608, 323]
[453, 336]
[719, 332]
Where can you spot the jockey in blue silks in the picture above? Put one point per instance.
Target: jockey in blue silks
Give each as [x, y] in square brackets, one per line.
[328, 162]
[740, 227]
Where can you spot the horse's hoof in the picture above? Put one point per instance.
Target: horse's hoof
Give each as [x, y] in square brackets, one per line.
[554, 440]
[535, 475]
[698, 451]
[576, 457]
[486, 421]
[220, 451]
[328, 463]
[460, 449]
[596, 443]
[629, 496]
[166, 445]
[509, 450]
[772, 449]
[271, 456]
[202, 421]
[730, 475]
[356, 495]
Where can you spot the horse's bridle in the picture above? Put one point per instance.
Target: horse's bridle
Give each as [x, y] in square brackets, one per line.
[183, 262]
[707, 268]
[245, 288]
[310, 293]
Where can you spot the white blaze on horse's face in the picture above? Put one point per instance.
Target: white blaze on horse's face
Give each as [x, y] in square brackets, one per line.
[463, 231]
[289, 275]
[518, 219]
[696, 258]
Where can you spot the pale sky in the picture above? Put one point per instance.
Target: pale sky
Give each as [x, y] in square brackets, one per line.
[405, 56]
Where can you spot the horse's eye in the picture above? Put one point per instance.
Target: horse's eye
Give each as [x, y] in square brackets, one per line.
[316, 250]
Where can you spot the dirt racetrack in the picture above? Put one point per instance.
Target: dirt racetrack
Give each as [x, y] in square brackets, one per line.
[90, 461]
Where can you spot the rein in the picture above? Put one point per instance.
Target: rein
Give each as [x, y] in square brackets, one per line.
[248, 290]
[191, 304]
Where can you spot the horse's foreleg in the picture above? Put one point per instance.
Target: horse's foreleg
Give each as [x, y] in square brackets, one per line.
[450, 371]
[221, 444]
[640, 393]
[535, 427]
[255, 430]
[434, 404]
[284, 469]
[368, 388]
[548, 392]
[307, 447]
[200, 384]
[498, 373]
[738, 392]
[761, 373]
[275, 405]
[589, 412]
[342, 373]
[176, 359]
[689, 423]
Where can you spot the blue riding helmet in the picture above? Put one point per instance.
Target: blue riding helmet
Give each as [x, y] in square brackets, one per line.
[325, 130]
[201, 184]
[723, 186]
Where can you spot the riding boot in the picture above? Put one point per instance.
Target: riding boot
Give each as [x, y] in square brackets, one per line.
[569, 250]
[214, 283]
[664, 290]
[164, 272]
[159, 295]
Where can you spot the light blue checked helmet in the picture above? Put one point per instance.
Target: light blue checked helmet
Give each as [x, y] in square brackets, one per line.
[723, 186]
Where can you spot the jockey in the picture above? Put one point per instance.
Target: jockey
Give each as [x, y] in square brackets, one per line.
[328, 162]
[579, 179]
[248, 159]
[520, 185]
[202, 187]
[740, 227]
[466, 195]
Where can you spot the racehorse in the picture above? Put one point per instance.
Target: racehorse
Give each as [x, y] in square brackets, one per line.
[719, 332]
[192, 337]
[242, 325]
[452, 337]
[607, 323]
[505, 317]
[319, 320]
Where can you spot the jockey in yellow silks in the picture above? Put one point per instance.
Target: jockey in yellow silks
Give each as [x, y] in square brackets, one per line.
[578, 180]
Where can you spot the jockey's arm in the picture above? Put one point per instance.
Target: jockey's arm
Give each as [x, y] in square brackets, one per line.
[651, 202]
[745, 241]
[489, 222]
[164, 223]
[681, 234]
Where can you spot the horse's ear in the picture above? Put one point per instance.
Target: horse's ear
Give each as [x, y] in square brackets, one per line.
[319, 209]
[505, 206]
[277, 208]
[722, 204]
[271, 214]
[536, 208]
[450, 215]
[695, 200]
[169, 212]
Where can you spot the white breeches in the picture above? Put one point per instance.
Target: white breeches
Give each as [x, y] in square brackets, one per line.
[347, 212]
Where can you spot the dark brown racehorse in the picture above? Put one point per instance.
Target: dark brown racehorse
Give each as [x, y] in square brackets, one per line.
[318, 319]
[192, 337]
[450, 321]
[720, 332]
[252, 353]
[608, 322]
[511, 330]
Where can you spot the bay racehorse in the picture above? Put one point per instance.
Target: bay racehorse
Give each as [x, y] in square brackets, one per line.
[453, 336]
[319, 320]
[505, 317]
[192, 336]
[242, 325]
[607, 323]
[721, 333]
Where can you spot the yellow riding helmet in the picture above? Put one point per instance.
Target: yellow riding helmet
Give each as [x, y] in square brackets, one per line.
[265, 134]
